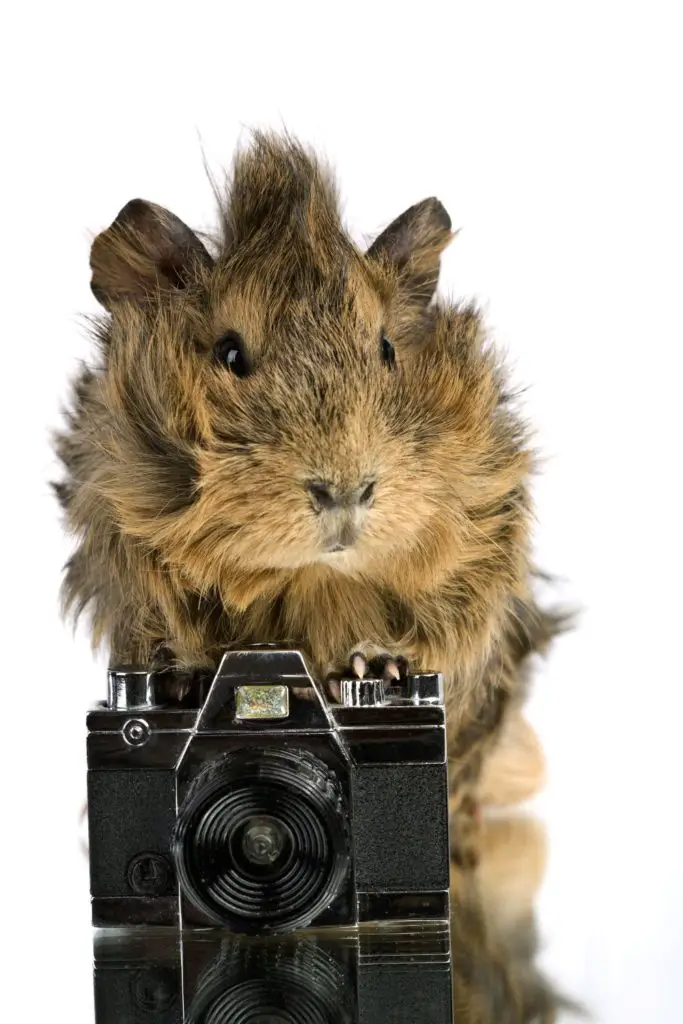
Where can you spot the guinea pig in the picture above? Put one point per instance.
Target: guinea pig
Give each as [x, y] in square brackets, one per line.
[290, 438]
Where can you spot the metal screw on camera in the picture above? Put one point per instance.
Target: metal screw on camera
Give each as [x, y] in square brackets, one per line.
[136, 732]
[149, 874]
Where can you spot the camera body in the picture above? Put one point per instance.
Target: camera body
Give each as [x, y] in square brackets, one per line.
[257, 804]
[380, 975]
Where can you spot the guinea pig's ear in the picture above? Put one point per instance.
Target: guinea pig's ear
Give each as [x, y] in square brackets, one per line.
[414, 243]
[145, 248]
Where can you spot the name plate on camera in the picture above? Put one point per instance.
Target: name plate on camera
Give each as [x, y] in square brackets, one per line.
[261, 702]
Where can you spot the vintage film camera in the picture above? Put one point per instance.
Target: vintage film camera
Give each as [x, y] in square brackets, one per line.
[381, 975]
[257, 804]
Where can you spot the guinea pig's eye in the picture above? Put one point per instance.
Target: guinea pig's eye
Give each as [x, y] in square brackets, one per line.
[387, 351]
[229, 351]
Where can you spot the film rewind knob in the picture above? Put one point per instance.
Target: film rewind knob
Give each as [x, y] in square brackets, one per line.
[131, 689]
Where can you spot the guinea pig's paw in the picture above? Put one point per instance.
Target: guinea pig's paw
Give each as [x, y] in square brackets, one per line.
[372, 663]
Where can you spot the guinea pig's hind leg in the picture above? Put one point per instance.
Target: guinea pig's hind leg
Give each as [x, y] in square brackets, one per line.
[465, 820]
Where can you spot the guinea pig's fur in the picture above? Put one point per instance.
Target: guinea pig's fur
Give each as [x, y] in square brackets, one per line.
[343, 404]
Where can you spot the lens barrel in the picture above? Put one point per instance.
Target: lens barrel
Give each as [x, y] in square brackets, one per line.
[261, 842]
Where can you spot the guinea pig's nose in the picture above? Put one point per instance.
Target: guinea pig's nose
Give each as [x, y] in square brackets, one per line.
[326, 496]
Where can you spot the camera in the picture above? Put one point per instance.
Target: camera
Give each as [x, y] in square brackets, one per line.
[251, 801]
[383, 975]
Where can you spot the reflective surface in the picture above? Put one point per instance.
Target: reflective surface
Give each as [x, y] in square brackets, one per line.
[484, 967]
[389, 975]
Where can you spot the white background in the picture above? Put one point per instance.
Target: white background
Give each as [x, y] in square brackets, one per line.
[552, 132]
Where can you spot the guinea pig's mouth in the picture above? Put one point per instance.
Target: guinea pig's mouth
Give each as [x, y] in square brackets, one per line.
[338, 551]
[341, 542]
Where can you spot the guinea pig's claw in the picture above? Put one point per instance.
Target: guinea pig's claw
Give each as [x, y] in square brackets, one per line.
[391, 670]
[359, 665]
[383, 666]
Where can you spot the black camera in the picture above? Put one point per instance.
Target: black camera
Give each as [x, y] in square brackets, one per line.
[382, 975]
[257, 804]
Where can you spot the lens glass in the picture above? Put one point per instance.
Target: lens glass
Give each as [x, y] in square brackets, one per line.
[261, 845]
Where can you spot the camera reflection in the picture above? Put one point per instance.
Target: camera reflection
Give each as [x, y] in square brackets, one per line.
[480, 969]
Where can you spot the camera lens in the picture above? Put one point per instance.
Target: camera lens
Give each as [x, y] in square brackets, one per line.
[261, 842]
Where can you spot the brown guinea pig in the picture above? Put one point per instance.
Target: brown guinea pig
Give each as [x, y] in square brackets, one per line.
[289, 439]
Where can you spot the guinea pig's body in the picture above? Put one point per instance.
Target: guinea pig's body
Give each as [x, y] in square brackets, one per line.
[287, 440]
